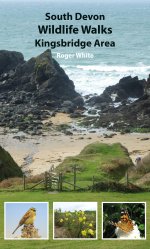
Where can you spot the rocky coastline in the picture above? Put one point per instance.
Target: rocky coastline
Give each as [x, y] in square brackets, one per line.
[123, 107]
[35, 90]
[41, 114]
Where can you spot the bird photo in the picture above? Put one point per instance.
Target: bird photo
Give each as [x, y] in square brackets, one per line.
[27, 219]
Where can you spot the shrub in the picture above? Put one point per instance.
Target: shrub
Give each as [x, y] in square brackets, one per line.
[77, 224]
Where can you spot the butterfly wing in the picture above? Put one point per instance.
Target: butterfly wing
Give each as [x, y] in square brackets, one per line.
[125, 226]
[125, 223]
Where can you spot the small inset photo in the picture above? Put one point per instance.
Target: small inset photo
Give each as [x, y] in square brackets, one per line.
[124, 221]
[26, 220]
[75, 220]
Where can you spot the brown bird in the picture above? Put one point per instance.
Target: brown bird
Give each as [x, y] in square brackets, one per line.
[27, 219]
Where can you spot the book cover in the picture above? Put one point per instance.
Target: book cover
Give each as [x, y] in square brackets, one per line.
[74, 123]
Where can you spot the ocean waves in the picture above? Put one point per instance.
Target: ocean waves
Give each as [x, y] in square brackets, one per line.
[93, 79]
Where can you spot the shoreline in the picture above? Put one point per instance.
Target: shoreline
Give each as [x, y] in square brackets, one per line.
[37, 154]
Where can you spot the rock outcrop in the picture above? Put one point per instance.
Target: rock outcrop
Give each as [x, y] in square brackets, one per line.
[127, 88]
[9, 60]
[8, 167]
[147, 87]
[124, 106]
[31, 90]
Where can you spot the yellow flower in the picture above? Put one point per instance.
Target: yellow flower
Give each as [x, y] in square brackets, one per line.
[68, 214]
[84, 218]
[66, 218]
[90, 225]
[90, 231]
[61, 220]
[80, 219]
[83, 232]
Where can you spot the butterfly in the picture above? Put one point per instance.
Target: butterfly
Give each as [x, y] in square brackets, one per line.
[125, 223]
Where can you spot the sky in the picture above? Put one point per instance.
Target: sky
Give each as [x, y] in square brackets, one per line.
[72, 206]
[81, 1]
[14, 211]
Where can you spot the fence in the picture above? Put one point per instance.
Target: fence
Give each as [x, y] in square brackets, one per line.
[53, 181]
[50, 181]
[56, 181]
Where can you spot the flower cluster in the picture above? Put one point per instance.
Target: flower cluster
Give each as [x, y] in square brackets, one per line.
[79, 224]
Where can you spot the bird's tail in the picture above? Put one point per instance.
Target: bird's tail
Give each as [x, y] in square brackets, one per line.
[16, 229]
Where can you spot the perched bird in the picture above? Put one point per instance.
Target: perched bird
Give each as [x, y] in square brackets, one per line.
[27, 219]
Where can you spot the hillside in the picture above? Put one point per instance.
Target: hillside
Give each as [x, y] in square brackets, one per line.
[102, 161]
[8, 167]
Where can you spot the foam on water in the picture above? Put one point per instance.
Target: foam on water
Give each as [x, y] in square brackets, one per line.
[90, 79]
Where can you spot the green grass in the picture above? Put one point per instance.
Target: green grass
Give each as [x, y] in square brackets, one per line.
[59, 197]
[103, 161]
[8, 167]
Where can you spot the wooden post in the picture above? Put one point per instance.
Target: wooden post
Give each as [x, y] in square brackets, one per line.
[24, 182]
[45, 180]
[74, 171]
[50, 181]
[60, 181]
[52, 168]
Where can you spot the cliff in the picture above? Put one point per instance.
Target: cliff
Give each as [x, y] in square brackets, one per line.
[31, 90]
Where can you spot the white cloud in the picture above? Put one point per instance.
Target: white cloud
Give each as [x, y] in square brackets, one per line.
[72, 206]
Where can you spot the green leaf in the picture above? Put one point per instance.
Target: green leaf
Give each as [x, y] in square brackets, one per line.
[142, 227]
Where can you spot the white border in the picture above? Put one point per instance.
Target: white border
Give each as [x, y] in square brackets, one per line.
[5, 238]
[91, 239]
[121, 203]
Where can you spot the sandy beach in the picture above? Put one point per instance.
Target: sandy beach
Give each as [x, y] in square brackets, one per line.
[36, 154]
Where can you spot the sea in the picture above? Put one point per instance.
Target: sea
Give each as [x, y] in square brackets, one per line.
[129, 21]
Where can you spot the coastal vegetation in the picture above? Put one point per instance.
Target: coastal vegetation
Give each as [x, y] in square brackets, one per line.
[75, 224]
[8, 167]
[98, 167]
[106, 163]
